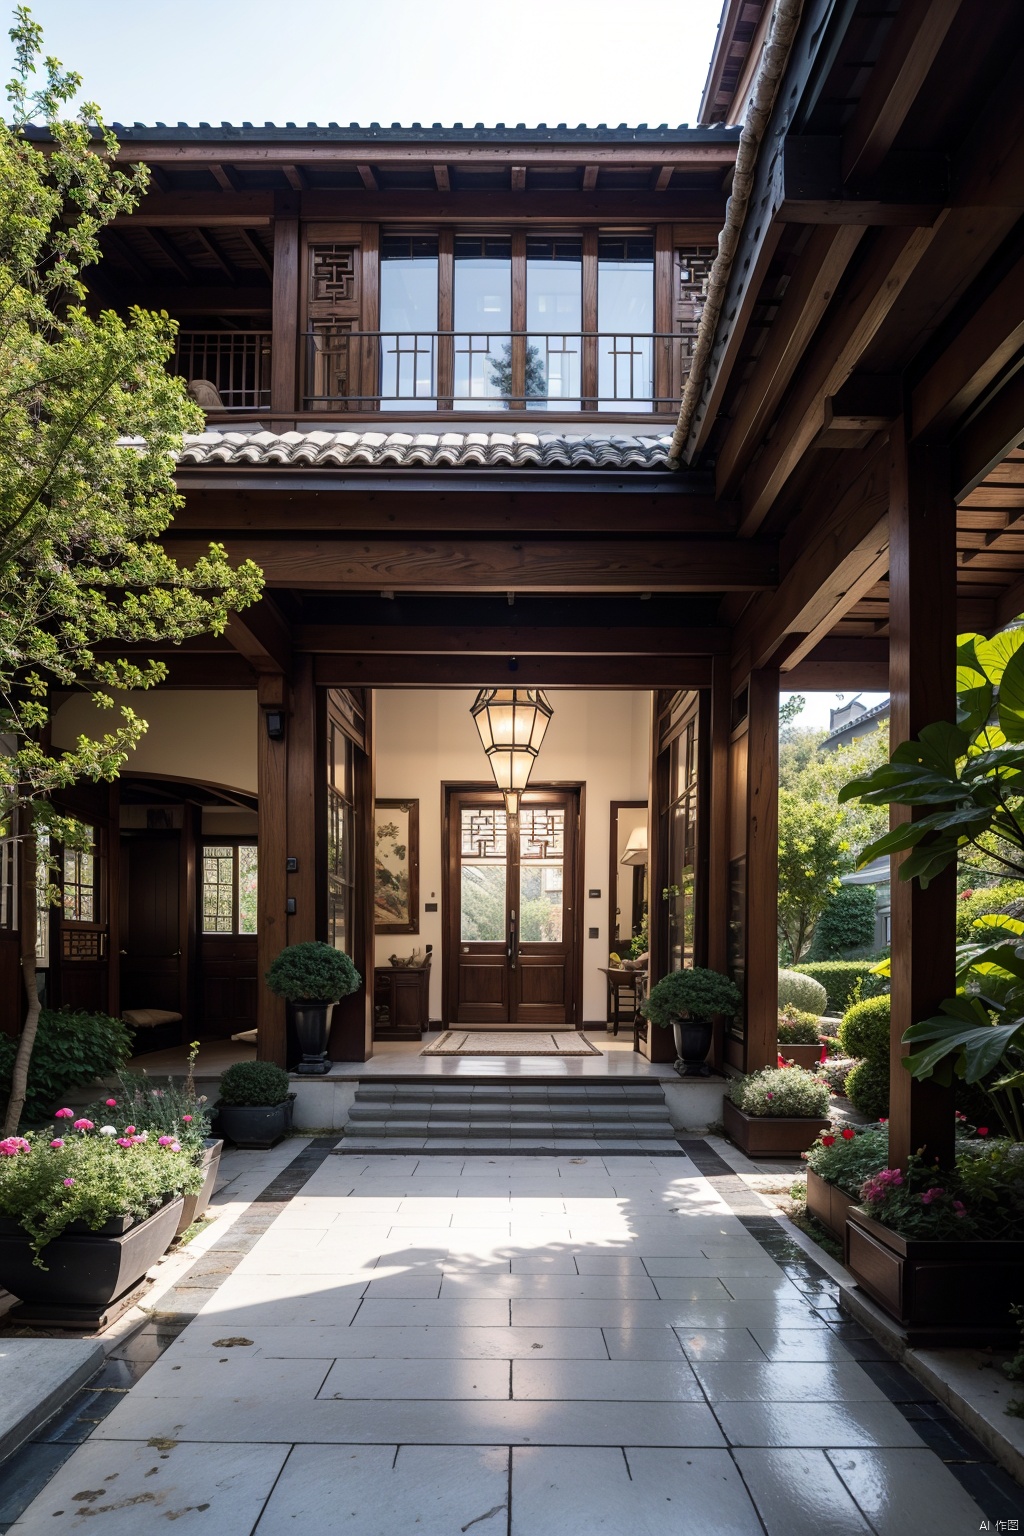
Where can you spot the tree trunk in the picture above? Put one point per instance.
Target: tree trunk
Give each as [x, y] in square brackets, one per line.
[27, 928]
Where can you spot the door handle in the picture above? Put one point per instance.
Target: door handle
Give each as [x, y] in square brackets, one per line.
[512, 946]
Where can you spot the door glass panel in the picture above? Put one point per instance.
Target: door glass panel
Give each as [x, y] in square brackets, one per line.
[483, 320]
[625, 320]
[247, 883]
[541, 873]
[554, 319]
[484, 857]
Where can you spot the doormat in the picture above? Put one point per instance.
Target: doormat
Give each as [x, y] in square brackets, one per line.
[510, 1042]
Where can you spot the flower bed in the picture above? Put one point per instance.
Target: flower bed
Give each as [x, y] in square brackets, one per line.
[777, 1112]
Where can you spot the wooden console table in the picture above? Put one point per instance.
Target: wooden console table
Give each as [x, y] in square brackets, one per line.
[401, 1002]
[620, 980]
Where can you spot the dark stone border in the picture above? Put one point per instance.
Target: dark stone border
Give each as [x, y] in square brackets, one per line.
[973, 1466]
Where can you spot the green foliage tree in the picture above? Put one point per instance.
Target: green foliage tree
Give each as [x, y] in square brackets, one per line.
[501, 374]
[811, 848]
[90, 420]
[847, 922]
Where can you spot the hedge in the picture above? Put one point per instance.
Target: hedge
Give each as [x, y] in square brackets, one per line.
[840, 978]
[980, 902]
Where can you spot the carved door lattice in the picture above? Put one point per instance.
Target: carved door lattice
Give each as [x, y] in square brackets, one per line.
[333, 306]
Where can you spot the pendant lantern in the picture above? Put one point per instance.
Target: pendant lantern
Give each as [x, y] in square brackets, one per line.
[511, 723]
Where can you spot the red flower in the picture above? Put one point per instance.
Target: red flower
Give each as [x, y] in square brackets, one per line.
[883, 1119]
[982, 1130]
[848, 1133]
[828, 1141]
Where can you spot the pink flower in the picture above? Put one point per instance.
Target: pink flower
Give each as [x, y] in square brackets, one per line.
[187, 1119]
[12, 1145]
[57, 1142]
[110, 1103]
[84, 1125]
[68, 1183]
[175, 1146]
[137, 1140]
[166, 1141]
[64, 1114]
[959, 1208]
[158, 1093]
[123, 1141]
[129, 1130]
[931, 1195]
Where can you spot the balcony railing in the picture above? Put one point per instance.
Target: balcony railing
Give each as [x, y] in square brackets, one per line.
[477, 371]
[228, 370]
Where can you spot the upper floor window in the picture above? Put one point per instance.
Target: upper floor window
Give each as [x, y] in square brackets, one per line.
[408, 320]
[625, 311]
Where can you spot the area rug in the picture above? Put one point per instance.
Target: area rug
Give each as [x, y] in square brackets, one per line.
[510, 1042]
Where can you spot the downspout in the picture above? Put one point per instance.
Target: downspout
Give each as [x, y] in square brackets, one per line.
[779, 42]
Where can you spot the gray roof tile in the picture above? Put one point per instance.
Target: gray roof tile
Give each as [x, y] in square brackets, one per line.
[425, 450]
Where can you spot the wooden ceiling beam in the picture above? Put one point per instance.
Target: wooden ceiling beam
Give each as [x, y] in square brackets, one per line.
[810, 291]
[663, 178]
[590, 173]
[988, 437]
[256, 250]
[199, 299]
[841, 343]
[984, 343]
[226, 177]
[295, 177]
[213, 248]
[447, 671]
[518, 178]
[261, 634]
[911, 188]
[517, 640]
[172, 254]
[442, 178]
[501, 565]
[368, 178]
[841, 665]
[190, 209]
[908, 53]
[483, 154]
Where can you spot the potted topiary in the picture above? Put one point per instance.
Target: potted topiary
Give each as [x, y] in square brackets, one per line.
[777, 1112]
[255, 1104]
[312, 978]
[689, 1001]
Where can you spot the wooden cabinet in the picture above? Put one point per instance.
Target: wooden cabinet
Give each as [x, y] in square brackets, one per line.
[401, 1006]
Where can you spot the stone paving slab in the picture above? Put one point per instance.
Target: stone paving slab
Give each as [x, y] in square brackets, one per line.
[38, 1377]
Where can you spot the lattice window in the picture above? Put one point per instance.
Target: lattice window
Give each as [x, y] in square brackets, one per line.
[694, 269]
[332, 274]
[80, 883]
[484, 833]
[230, 883]
[541, 833]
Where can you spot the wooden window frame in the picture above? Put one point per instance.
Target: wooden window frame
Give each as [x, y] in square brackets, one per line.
[233, 842]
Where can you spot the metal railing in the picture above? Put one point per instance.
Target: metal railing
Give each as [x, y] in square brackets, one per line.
[229, 370]
[494, 370]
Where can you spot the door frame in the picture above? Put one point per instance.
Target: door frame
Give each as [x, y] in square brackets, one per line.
[477, 786]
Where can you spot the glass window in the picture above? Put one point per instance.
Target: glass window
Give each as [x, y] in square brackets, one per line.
[484, 862]
[625, 321]
[483, 322]
[682, 846]
[79, 869]
[408, 320]
[340, 818]
[541, 875]
[554, 320]
[229, 888]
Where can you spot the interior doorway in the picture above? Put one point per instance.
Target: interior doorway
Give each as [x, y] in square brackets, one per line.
[511, 919]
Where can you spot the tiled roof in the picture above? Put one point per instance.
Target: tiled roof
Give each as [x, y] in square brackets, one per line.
[424, 450]
[500, 133]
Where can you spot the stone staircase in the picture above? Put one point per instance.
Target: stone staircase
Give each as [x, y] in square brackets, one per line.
[497, 1115]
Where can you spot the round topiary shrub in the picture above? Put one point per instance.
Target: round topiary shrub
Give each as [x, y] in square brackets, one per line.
[312, 973]
[693, 994]
[254, 1082]
[867, 1088]
[864, 1032]
[803, 992]
[788, 1092]
[796, 1028]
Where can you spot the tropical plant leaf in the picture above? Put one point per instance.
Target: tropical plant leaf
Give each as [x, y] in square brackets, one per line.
[973, 1048]
[992, 656]
[1011, 698]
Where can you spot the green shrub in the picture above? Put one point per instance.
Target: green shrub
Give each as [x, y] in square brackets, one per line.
[992, 899]
[312, 973]
[848, 1160]
[803, 992]
[781, 1091]
[694, 994]
[71, 1050]
[848, 922]
[864, 1032]
[840, 979]
[254, 1082]
[867, 1088]
[796, 1028]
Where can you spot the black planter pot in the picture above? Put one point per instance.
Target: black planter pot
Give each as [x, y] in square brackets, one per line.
[194, 1205]
[89, 1275]
[256, 1125]
[693, 1041]
[311, 1023]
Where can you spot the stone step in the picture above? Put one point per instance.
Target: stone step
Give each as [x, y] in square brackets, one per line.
[624, 1130]
[572, 1094]
[383, 1109]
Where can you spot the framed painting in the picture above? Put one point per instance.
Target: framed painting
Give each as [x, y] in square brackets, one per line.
[396, 861]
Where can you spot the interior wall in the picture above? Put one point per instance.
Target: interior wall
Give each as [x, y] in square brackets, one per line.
[426, 737]
[202, 735]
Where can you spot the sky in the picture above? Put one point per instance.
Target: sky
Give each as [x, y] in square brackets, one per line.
[814, 715]
[404, 61]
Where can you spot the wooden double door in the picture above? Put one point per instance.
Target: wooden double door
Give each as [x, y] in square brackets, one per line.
[511, 913]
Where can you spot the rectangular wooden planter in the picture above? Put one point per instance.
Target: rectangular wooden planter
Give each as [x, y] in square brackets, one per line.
[942, 1293]
[195, 1205]
[770, 1135]
[828, 1204]
[806, 1056]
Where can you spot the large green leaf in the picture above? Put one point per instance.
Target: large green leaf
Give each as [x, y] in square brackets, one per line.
[992, 656]
[1011, 697]
[973, 1049]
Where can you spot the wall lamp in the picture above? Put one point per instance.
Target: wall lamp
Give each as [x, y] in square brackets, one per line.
[274, 720]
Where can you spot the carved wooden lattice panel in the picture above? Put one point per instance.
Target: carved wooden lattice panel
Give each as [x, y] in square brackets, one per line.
[484, 833]
[694, 269]
[333, 278]
[541, 833]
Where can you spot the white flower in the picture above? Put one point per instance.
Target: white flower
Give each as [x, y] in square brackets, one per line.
[107, 1130]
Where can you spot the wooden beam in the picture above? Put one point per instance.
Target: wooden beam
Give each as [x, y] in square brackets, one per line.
[980, 346]
[502, 565]
[261, 634]
[226, 177]
[188, 209]
[865, 403]
[761, 960]
[285, 324]
[213, 248]
[367, 177]
[212, 671]
[206, 299]
[295, 177]
[664, 176]
[519, 178]
[810, 292]
[922, 670]
[842, 666]
[830, 561]
[255, 249]
[447, 671]
[170, 251]
[502, 641]
[908, 53]
[271, 894]
[590, 173]
[911, 188]
[1010, 604]
[397, 503]
[988, 437]
[842, 342]
[442, 179]
[710, 156]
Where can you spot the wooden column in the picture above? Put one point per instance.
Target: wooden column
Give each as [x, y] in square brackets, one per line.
[715, 808]
[284, 400]
[301, 755]
[922, 683]
[271, 896]
[762, 924]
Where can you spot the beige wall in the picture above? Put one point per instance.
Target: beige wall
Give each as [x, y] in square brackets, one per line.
[203, 735]
[425, 738]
